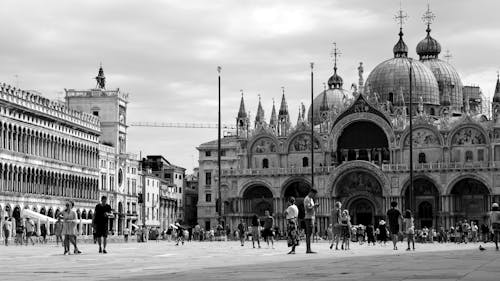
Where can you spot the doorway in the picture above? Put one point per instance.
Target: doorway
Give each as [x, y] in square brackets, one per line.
[361, 211]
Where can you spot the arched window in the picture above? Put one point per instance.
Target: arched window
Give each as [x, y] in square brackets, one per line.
[468, 156]
[305, 162]
[421, 158]
[391, 97]
[265, 163]
[433, 111]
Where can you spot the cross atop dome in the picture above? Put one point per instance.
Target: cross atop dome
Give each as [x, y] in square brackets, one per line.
[428, 17]
[335, 53]
[401, 17]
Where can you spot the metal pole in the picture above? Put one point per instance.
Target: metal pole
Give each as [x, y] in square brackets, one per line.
[218, 151]
[143, 179]
[312, 125]
[412, 207]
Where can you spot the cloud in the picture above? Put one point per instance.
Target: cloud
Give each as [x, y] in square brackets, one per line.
[165, 53]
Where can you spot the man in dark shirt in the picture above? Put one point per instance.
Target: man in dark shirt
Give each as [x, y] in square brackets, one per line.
[102, 213]
[268, 229]
[394, 215]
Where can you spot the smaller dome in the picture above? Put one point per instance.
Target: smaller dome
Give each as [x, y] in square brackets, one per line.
[335, 98]
[335, 81]
[428, 47]
[400, 50]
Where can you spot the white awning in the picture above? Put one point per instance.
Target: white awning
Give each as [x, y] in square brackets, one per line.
[25, 213]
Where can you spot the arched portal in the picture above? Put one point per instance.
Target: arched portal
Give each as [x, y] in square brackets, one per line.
[353, 143]
[16, 213]
[257, 199]
[362, 211]
[361, 193]
[470, 199]
[424, 191]
[299, 190]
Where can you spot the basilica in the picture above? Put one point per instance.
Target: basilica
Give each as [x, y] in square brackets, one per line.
[361, 145]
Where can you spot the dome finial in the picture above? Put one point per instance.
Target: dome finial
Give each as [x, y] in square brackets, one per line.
[428, 18]
[400, 49]
[335, 81]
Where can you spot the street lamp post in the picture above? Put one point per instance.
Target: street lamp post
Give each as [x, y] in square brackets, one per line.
[312, 125]
[219, 202]
[411, 191]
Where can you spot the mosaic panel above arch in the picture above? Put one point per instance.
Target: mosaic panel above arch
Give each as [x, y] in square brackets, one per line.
[263, 146]
[468, 136]
[303, 143]
[358, 182]
[422, 137]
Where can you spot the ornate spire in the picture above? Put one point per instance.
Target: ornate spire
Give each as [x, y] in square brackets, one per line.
[242, 112]
[324, 101]
[496, 95]
[274, 120]
[335, 81]
[259, 118]
[100, 78]
[360, 75]
[283, 107]
[400, 50]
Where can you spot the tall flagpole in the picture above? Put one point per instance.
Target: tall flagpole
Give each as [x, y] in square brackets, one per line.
[312, 125]
[219, 202]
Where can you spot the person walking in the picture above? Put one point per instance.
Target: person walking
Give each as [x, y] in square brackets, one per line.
[337, 227]
[345, 221]
[69, 228]
[267, 233]
[43, 233]
[30, 231]
[291, 215]
[494, 223]
[7, 230]
[126, 232]
[255, 230]
[310, 210]
[382, 232]
[241, 232]
[394, 216]
[409, 229]
[370, 234]
[102, 213]
[58, 229]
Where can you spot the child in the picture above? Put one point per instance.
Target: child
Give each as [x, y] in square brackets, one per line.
[346, 229]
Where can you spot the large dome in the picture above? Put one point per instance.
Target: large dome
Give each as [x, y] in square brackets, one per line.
[448, 81]
[335, 98]
[392, 76]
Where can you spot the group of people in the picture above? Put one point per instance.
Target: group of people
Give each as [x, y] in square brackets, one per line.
[65, 228]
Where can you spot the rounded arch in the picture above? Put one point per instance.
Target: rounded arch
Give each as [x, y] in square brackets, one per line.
[476, 177]
[259, 145]
[257, 199]
[428, 134]
[420, 179]
[257, 191]
[342, 124]
[460, 135]
[300, 141]
[295, 186]
[360, 166]
[253, 182]
[362, 209]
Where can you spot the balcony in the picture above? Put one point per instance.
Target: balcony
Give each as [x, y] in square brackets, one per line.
[278, 171]
[440, 166]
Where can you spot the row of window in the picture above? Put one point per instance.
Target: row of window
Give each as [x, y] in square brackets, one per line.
[208, 153]
[39, 182]
[28, 141]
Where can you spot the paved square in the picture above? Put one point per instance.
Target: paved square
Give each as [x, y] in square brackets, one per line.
[230, 261]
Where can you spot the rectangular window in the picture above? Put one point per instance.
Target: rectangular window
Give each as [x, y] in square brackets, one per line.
[134, 171]
[148, 197]
[180, 189]
[208, 197]
[128, 186]
[208, 178]
[134, 187]
[111, 183]
[103, 182]
[168, 176]
[222, 153]
[208, 153]
[480, 155]
[95, 113]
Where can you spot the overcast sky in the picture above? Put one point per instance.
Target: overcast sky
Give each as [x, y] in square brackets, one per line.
[165, 53]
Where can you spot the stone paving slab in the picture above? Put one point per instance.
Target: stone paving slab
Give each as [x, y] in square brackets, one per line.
[230, 261]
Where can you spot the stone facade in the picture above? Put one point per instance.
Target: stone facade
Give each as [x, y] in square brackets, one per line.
[49, 154]
[361, 147]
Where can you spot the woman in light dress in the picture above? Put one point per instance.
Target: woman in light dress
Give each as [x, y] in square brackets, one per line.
[409, 229]
[70, 221]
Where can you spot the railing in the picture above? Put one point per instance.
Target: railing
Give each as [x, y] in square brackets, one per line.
[385, 167]
[440, 166]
